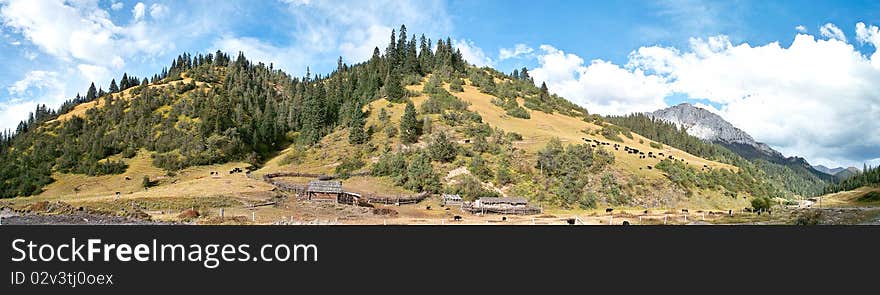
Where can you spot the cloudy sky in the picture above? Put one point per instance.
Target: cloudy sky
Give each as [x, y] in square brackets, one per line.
[803, 77]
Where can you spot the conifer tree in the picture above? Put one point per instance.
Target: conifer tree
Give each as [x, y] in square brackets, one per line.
[393, 89]
[113, 87]
[356, 133]
[409, 125]
[92, 93]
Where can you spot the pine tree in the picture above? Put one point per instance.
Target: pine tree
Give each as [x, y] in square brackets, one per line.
[524, 74]
[113, 87]
[393, 88]
[441, 148]
[92, 93]
[409, 125]
[356, 133]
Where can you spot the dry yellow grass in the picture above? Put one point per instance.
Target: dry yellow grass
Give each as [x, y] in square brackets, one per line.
[191, 182]
[848, 198]
[80, 110]
[541, 127]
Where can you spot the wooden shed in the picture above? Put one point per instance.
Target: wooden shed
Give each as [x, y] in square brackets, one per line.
[447, 199]
[321, 190]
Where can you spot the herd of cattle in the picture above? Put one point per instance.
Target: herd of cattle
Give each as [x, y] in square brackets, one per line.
[642, 155]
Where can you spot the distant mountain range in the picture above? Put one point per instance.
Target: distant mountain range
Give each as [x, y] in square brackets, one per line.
[839, 172]
[708, 126]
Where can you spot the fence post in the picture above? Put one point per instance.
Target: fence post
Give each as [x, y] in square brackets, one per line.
[254, 216]
[221, 212]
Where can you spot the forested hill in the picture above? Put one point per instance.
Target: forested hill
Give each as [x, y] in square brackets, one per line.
[789, 176]
[214, 108]
[869, 176]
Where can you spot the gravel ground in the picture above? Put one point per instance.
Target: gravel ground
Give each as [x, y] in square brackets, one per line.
[8, 217]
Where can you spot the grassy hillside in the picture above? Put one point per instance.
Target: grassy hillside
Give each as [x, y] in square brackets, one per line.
[428, 122]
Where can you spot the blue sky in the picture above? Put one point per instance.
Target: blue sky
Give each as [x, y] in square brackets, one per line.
[795, 74]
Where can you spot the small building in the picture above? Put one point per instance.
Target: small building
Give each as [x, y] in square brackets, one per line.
[321, 190]
[504, 205]
[447, 199]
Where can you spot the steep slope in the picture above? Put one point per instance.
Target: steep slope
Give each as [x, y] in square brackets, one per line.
[711, 127]
[798, 175]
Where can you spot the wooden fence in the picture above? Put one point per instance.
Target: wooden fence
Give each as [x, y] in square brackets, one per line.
[522, 210]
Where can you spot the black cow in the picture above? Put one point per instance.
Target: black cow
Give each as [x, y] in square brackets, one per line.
[625, 223]
[649, 167]
[456, 218]
[608, 210]
[503, 218]
[570, 221]
[684, 210]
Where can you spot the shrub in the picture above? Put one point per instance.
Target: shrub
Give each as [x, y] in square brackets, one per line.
[348, 166]
[441, 148]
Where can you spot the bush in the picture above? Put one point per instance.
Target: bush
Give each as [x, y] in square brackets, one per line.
[809, 217]
[441, 148]
[348, 166]
[519, 112]
[456, 85]
[656, 145]
[761, 204]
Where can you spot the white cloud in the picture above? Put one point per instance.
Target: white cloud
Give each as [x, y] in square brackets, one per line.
[831, 31]
[601, 87]
[117, 5]
[818, 98]
[800, 29]
[158, 11]
[519, 50]
[80, 31]
[259, 51]
[94, 72]
[471, 53]
[47, 85]
[811, 99]
[138, 11]
[35, 79]
[322, 25]
[81, 43]
[358, 45]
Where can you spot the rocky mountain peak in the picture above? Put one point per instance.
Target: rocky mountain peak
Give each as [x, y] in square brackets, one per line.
[708, 126]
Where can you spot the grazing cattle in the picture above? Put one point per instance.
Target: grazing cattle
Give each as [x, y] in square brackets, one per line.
[447, 208]
[684, 210]
[467, 141]
[730, 212]
[456, 218]
[570, 221]
[608, 210]
[661, 154]
[625, 223]
[503, 218]
[594, 145]
[646, 212]
[428, 208]
[649, 167]
[128, 178]
[671, 158]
